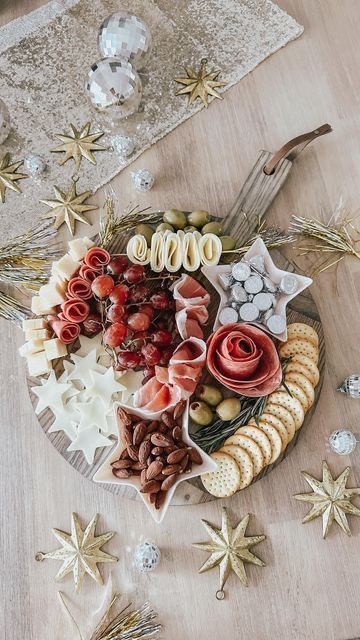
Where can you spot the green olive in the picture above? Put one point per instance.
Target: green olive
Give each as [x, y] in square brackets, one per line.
[228, 243]
[200, 413]
[213, 227]
[228, 409]
[189, 229]
[145, 230]
[210, 394]
[164, 226]
[198, 218]
[176, 218]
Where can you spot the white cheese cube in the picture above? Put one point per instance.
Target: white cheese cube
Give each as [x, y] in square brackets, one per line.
[66, 267]
[52, 294]
[38, 364]
[54, 349]
[40, 307]
[34, 323]
[33, 346]
[60, 282]
[78, 248]
[89, 243]
[37, 334]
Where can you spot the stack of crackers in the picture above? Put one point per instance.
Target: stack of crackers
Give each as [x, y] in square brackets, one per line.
[261, 443]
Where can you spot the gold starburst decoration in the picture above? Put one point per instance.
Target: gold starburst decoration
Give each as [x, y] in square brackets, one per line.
[200, 84]
[229, 548]
[81, 144]
[9, 175]
[80, 552]
[68, 206]
[330, 499]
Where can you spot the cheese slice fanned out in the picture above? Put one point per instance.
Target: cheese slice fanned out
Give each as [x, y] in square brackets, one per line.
[210, 249]
[157, 252]
[137, 250]
[173, 252]
[191, 255]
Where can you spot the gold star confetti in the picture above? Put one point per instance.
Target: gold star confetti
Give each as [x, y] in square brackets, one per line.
[9, 176]
[68, 207]
[80, 552]
[80, 144]
[229, 549]
[330, 499]
[200, 84]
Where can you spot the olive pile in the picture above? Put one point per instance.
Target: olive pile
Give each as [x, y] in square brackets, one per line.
[208, 399]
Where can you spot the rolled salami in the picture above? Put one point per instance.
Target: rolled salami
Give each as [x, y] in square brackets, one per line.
[79, 288]
[88, 273]
[97, 257]
[66, 331]
[75, 310]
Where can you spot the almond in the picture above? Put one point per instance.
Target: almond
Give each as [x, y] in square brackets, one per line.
[170, 469]
[177, 433]
[183, 463]
[163, 428]
[121, 473]
[126, 435]
[133, 452]
[124, 455]
[152, 426]
[176, 456]
[154, 469]
[194, 455]
[138, 466]
[143, 476]
[168, 420]
[179, 409]
[151, 486]
[139, 433]
[160, 499]
[122, 464]
[159, 440]
[153, 497]
[144, 451]
[156, 451]
[124, 417]
[169, 482]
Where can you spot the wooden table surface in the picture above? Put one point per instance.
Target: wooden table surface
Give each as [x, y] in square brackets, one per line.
[309, 587]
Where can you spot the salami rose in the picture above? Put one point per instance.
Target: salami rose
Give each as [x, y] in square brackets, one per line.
[97, 258]
[66, 331]
[75, 310]
[88, 273]
[79, 288]
[244, 359]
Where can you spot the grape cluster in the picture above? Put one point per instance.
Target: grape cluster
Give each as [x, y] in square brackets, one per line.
[138, 321]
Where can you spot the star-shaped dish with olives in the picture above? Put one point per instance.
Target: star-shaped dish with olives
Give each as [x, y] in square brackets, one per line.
[79, 144]
[330, 499]
[9, 175]
[229, 549]
[200, 84]
[68, 206]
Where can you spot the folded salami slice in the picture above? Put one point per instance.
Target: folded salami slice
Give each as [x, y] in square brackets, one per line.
[79, 288]
[97, 257]
[66, 331]
[75, 310]
[88, 273]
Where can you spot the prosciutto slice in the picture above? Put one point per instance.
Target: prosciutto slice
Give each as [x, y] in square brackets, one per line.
[75, 310]
[97, 257]
[88, 273]
[79, 288]
[66, 331]
[154, 396]
[191, 300]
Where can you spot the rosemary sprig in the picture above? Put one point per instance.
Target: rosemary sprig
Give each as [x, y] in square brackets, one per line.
[111, 225]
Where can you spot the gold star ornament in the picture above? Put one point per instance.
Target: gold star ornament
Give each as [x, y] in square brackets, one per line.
[79, 144]
[229, 549]
[9, 176]
[330, 499]
[68, 206]
[80, 552]
[200, 84]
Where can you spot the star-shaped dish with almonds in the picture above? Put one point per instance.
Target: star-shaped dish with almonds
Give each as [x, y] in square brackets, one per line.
[81, 144]
[229, 549]
[330, 499]
[68, 206]
[200, 84]
[9, 175]
[80, 552]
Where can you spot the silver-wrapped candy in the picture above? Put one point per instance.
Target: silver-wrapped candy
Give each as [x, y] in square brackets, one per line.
[351, 386]
[263, 301]
[238, 293]
[125, 36]
[276, 324]
[228, 315]
[143, 180]
[288, 284]
[249, 312]
[269, 285]
[258, 263]
[123, 145]
[113, 84]
[240, 271]
[4, 121]
[254, 284]
[224, 281]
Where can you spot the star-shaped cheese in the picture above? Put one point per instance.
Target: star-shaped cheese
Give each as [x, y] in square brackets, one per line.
[50, 393]
[87, 344]
[84, 365]
[132, 382]
[91, 413]
[111, 424]
[104, 386]
[87, 441]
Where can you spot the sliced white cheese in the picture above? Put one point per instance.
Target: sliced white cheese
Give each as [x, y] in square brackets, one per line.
[66, 267]
[52, 294]
[40, 307]
[54, 349]
[37, 334]
[32, 346]
[34, 323]
[38, 364]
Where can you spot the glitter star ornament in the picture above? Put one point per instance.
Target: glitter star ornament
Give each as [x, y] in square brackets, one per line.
[80, 552]
[200, 84]
[330, 499]
[229, 549]
[79, 144]
[9, 175]
[68, 206]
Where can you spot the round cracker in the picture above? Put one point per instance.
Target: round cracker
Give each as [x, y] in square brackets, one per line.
[296, 367]
[225, 481]
[260, 438]
[252, 448]
[302, 331]
[297, 392]
[292, 404]
[284, 415]
[314, 374]
[274, 437]
[293, 347]
[303, 382]
[279, 426]
[243, 461]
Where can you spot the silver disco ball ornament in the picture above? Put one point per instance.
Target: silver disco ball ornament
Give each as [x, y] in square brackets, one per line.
[113, 84]
[4, 121]
[123, 145]
[146, 557]
[123, 35]
[34, 165]
[351, 386]
[143, 180]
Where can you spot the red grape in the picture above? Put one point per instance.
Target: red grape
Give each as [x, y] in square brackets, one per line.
[166, 355]
[102, 286]
[117, 265]
[116, 313]
[119, 294]
[148, 309]
[115, 334]
[140, 335]
[151, 354]
[134, 274]
[128, 359]
[139, 321]
[161, 338]
[160, 300]
[149, 372]
[92, 324]
[139, 293]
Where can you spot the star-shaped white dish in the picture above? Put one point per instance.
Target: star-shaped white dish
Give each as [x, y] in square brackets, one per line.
[50, 393]
[104, 473]
[87, 441]
[275, 274]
